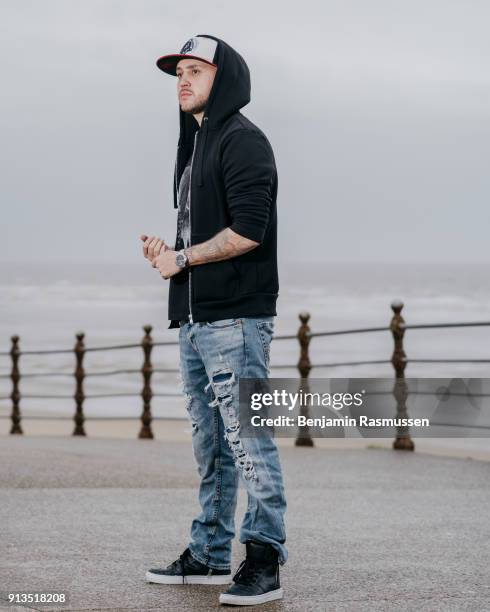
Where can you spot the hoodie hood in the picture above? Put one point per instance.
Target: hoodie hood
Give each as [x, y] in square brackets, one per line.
[230, 92]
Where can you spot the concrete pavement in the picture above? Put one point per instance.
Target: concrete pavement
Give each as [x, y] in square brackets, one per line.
[369, 530]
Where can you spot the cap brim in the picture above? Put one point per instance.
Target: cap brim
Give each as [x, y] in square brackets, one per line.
[168, 63]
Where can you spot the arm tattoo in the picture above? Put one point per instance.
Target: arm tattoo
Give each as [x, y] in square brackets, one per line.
[225, 245]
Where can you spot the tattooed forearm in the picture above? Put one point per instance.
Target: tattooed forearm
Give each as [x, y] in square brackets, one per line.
[225, 245]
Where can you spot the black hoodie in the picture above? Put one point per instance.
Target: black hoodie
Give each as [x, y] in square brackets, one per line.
[233, 184]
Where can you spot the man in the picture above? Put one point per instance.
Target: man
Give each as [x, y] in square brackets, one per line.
[222, 297]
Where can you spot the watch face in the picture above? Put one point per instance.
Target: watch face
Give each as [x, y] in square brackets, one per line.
[180, 260]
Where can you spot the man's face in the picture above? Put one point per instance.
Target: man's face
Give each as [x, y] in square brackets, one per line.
[194, 82]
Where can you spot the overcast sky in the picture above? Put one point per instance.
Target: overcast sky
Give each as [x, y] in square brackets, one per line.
[378, 113]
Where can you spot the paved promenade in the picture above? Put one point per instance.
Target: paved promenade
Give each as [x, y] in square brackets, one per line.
[369, 529]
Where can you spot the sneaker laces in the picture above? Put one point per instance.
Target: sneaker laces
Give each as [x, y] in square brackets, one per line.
[247, 572]
[180, 563]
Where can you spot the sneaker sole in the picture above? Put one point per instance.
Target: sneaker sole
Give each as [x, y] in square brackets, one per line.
[250, 600]
[161, 579]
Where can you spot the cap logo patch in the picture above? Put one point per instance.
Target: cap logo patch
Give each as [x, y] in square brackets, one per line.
[188, 47]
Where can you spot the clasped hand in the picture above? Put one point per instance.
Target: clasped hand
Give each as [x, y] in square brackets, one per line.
[160, 255]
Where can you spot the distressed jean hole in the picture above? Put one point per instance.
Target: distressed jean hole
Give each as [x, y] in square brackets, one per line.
[221, 382]
[188, 405]
[220, 377]
[242, 459]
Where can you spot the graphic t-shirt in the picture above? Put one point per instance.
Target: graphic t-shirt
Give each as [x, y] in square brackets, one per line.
[183, 219]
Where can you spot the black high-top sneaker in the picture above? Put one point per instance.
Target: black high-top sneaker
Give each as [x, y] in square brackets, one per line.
[257, 578]
[186, 570]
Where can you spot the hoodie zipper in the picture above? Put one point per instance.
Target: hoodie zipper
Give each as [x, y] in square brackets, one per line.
[175, 173]
[190, 226]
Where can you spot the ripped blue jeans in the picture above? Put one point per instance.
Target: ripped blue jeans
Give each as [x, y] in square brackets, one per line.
[213, 357]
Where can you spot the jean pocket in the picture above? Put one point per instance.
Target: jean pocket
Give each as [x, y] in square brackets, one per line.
[266, 333]
[223, 323]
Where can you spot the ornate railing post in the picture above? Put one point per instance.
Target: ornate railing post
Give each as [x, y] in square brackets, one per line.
[15, 395]
[400, 389]
[146, 394]
[79, 395]
[304, 366]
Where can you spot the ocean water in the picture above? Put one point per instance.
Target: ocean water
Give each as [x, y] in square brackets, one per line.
[47, 303]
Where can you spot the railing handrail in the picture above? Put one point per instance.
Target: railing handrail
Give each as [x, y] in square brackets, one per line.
[335, 332]
[441, 325]
[278, 366]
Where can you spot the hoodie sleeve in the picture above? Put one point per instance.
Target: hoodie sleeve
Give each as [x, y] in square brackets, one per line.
[248, 174]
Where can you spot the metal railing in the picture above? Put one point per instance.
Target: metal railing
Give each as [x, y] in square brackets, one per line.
[397, 327]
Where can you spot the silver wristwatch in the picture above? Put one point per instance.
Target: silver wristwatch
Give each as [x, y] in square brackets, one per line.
[181, 259]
